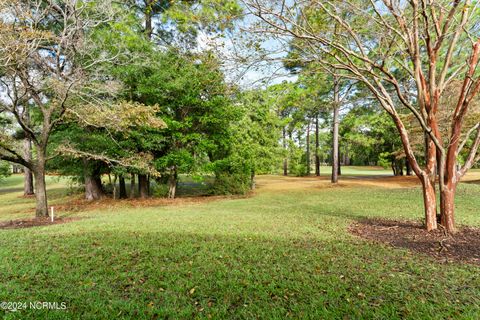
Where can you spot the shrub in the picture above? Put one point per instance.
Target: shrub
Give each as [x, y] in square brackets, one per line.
[159, 190]
[228, 184]
[5, 170]
[299, 170]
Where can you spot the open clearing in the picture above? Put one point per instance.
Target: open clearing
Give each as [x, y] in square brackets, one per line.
[283, 252]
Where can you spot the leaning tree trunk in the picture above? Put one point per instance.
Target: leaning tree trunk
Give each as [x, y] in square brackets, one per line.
[143, 186]
[28, 175]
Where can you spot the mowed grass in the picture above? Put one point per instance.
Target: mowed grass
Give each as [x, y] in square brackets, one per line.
[274, 255]
[357, 171]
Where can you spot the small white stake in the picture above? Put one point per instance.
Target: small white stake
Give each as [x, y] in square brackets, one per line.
[52, 214]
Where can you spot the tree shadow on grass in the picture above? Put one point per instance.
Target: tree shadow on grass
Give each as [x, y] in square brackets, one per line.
[11, 190]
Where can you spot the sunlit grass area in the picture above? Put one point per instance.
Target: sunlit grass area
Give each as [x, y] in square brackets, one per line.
[273, 255]
[357, 170]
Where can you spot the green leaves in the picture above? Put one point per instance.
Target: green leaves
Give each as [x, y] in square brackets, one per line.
[209, 15]
[4, 169]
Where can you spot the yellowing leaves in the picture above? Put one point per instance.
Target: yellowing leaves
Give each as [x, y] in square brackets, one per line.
[118, 116]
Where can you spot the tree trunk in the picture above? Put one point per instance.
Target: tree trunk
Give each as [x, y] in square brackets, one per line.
[123, 188]
[335, 149]
[409, 168]
[447, 208]
[290, 136]
[114, 192]
[285, 159]
[339, 172]
[41, 188]
[347, 156]
[430, 203]
[28, 175]
[426, 177]
[400, 167]
[148, 185]
[172, 183]
[317, 147]
[308, 150]
[142, 186]
[394, 168]
[148, 20]
[397, 166]
[252, 180]
[448, 180]
[93, 186]
[132, 186]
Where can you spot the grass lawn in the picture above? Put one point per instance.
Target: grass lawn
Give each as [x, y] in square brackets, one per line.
[282, 253]
[357, 171]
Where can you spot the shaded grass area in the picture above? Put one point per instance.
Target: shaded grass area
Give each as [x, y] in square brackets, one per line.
[272, 256]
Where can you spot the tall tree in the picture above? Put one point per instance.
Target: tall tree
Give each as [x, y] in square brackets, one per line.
[252, 142]
[46, 52]
[176, 24]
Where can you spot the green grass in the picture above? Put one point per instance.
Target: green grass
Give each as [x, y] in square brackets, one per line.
[356, 171]
[270, 256]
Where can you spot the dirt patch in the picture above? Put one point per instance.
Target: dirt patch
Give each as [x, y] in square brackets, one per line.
[464, 246]
[36, 222]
